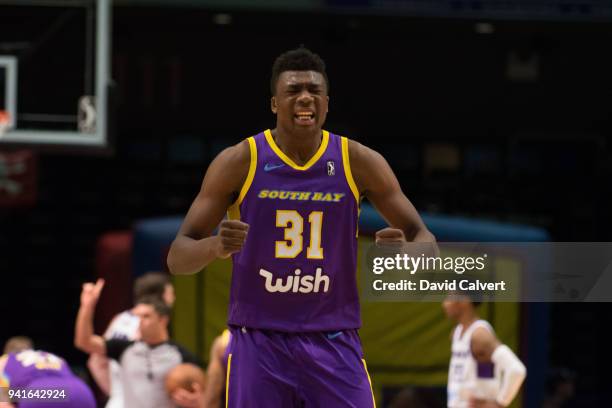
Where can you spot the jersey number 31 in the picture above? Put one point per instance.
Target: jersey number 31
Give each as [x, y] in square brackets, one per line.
[293, 223]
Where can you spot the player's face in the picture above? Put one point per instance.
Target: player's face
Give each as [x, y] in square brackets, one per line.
[453, 306]
[301, 101]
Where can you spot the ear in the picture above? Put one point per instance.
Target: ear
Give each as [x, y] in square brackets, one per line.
[273, 105]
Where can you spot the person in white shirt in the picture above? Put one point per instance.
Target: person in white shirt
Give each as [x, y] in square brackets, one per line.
[483, 372]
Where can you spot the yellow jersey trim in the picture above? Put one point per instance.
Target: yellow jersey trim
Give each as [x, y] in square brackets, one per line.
[365, 366]
[347, 169]
[233, 213]
[291, 163]
[225, 337]
[227, 377]
[252, 168]
[234, 210]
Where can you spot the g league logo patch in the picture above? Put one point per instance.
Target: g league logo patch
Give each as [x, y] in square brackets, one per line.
[331, 168]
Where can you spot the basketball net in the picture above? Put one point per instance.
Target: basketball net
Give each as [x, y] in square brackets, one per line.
[5, 120]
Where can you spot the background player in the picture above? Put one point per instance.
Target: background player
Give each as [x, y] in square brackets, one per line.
[125, 325]
[216, 371]
[297, 189]
[18, 343]
[28, 369]
[483, 372]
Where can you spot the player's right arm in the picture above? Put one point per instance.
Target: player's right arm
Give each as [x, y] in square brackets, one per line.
[215, 374]
[84, 337]
[195, 246]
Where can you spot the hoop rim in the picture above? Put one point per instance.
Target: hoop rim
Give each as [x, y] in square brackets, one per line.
[5, 120]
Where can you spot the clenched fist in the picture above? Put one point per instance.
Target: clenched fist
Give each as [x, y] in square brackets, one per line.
[232, 235]
[390, 236]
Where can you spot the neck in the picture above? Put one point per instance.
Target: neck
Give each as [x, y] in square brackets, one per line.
[467, 319]
[157, 339]
[298, 146]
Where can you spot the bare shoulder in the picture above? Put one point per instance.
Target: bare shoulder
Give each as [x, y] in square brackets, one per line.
[238, 153]
[362, 160]
[219, 346]
[483, 343]
[482, 335]
[230, 168]
[370, 169]
[236, 158]
[360, 154]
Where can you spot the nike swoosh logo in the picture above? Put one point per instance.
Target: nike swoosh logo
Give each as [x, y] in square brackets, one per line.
[332, 336]
[270, 166]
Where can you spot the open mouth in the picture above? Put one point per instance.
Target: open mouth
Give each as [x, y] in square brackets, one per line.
[304, 117]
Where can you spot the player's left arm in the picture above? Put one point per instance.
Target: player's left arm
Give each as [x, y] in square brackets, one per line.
[486, 348]
[375, 180]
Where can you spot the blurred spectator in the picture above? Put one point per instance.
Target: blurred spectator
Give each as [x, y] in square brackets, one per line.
[560, 388]
[411, 397]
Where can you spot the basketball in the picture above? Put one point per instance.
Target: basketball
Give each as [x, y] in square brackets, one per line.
[183, 376]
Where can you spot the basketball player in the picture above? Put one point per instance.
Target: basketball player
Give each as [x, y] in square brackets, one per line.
[293, 197]
[483, 372]
[107, 373]
[215, 372]
[18, 343]
[37, 371]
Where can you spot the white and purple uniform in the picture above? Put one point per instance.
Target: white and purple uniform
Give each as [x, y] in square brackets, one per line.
[294, 306]
[467, 378]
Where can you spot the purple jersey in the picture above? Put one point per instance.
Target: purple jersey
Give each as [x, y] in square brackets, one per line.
[26, 366]
[297, 269]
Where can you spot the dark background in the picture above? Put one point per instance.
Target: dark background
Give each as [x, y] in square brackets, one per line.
[533, 150]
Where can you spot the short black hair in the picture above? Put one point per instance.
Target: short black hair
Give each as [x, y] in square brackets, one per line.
[17, 344]
[476, 300]
[299, 59]
[151, 284]
[475, 297]
[160, 307]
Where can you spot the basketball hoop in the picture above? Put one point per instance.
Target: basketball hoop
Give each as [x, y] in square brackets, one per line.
[5, 121]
